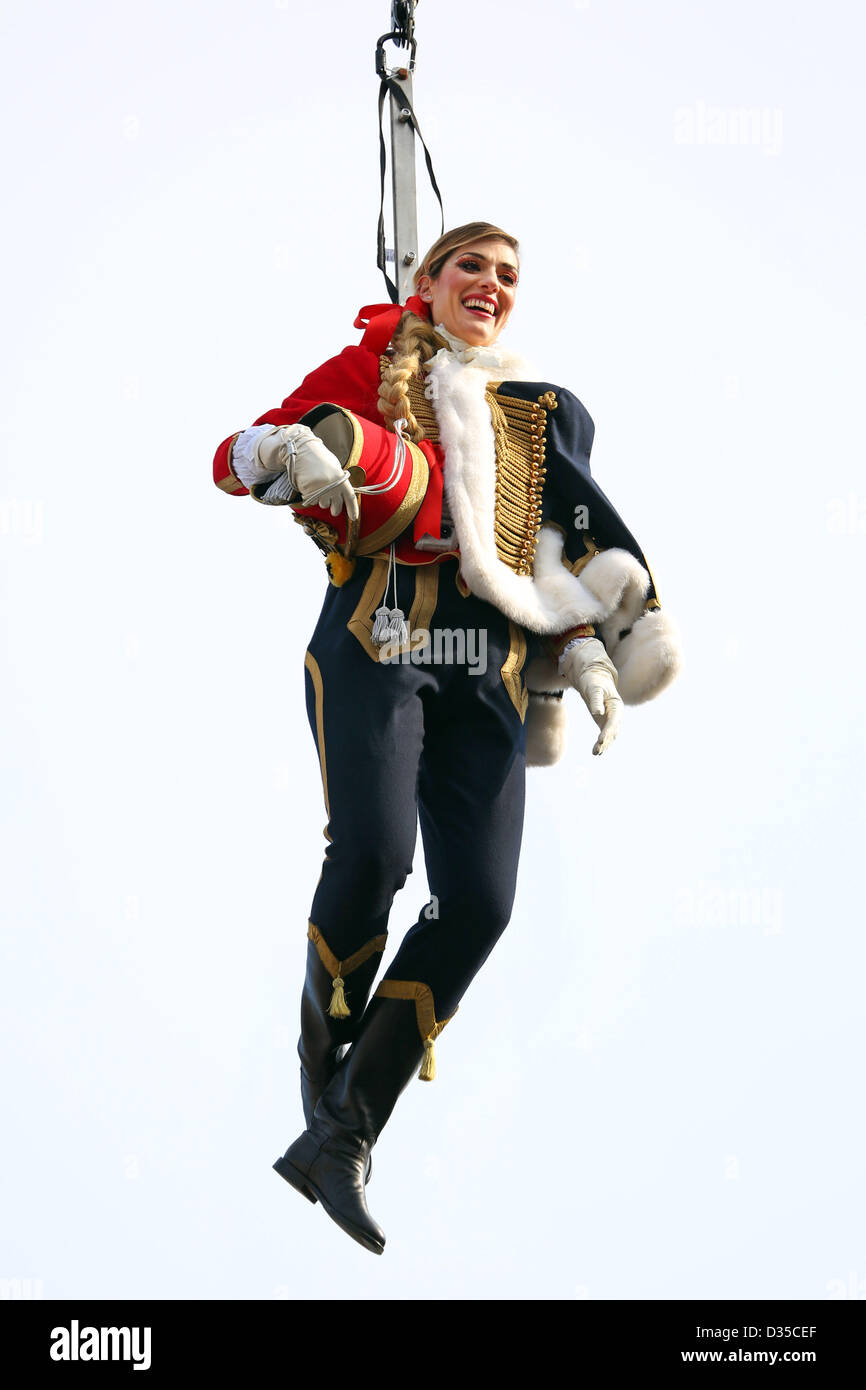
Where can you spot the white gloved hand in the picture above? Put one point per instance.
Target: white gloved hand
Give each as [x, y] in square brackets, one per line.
[587, 667]
[246, 462]
[312, 469]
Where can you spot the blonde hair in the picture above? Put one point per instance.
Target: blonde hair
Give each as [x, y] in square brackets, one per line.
[415, 340]
[452, 241]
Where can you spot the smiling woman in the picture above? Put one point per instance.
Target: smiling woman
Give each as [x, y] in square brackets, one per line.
[471, 291]
[466, 286]
[451, 493]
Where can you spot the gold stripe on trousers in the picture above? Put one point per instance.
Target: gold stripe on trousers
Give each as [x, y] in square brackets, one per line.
[312, 666]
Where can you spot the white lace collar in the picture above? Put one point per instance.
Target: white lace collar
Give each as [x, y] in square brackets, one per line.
[494, 360]
[468, 354]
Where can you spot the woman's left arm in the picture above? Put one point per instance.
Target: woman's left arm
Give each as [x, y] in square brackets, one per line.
[643, 649]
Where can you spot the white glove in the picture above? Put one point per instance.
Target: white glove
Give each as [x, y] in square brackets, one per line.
[587, 667]
[312, 469]
[246, 463]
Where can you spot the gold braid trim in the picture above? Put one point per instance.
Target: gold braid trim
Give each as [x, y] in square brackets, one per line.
[312, 666]
[414, 343]
[422, 408]
[425, 1015]
[519, 427]
[512, 667]
[557, 645]
[424, 1012]
[336, 967]
[232, 483]
[406, 511]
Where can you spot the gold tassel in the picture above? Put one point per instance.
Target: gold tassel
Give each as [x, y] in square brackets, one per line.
[428, 1066]
[339, 568]
[338, 1008]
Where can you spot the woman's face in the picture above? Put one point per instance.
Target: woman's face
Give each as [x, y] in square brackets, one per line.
[473, 294]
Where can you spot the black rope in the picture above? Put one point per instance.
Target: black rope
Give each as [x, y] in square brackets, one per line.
[393, 292]
[388, 86]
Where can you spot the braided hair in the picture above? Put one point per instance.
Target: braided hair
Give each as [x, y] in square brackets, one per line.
[413, 344]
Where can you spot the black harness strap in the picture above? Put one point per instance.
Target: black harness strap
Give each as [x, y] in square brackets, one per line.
[386, 86]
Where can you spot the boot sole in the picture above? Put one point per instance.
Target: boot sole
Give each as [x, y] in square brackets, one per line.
[297, 1181]
[306, 1186]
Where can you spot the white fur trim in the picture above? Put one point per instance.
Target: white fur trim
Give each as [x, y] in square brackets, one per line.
[613, 584]
[546, 724]
[648, 659]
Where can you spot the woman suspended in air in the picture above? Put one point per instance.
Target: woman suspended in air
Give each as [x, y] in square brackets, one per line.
[477, 571]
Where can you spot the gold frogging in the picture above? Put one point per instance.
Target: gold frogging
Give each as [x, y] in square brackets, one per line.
[520, 428]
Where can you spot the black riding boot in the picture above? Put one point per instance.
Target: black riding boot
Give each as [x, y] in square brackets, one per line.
[324, 1037]
[330, 1157]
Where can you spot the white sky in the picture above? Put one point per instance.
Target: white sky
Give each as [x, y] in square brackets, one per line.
[652, 1090]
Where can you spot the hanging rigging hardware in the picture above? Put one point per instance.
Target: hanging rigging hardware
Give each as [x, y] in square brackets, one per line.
[403, 72]
[403, 36]
[396, 85]
[403, 20]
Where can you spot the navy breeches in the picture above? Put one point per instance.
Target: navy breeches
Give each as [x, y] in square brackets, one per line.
[434, 735]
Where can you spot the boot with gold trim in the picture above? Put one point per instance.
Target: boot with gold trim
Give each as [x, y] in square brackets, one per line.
[328, 1027]
[332, 1005]
[329, 1159]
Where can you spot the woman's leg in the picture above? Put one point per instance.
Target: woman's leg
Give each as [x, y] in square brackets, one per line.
[471, 792]
[471, 804]
[367, 721]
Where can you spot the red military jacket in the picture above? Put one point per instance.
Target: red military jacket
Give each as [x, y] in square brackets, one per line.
[351, 380]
